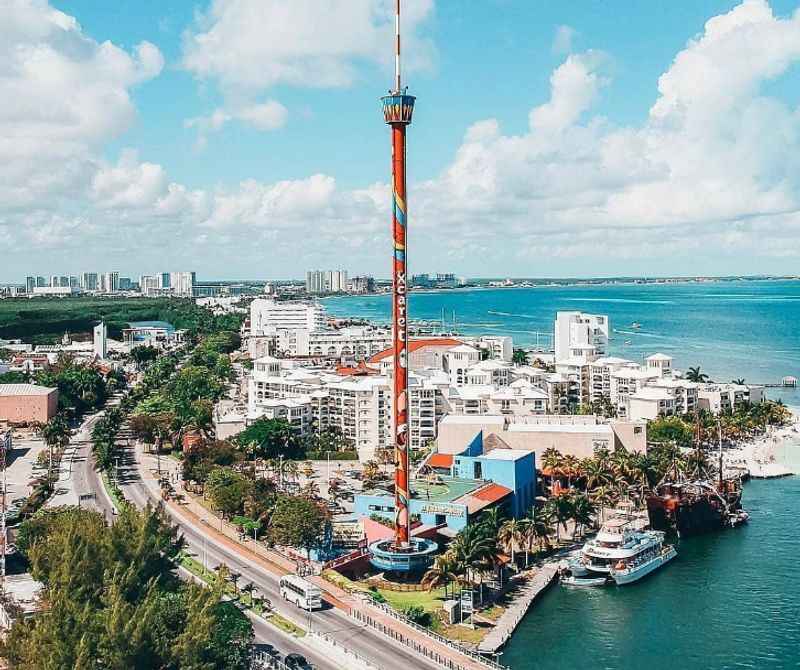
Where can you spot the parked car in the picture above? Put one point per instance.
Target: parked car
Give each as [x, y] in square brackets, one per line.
[297, 662]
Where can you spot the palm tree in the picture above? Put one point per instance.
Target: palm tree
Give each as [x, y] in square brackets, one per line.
[511, 534]
[582, 511]
[559, 509]
[370, 473]
[310, 490]
[551, 459]
[621, 463]
[694, 375]
[441, 573]
[603, 496]
[537, 528]
[291, 470]
[248, 589]
[571, 467]
[474, 550]
[596, 472]
[519, 357]
[492, 519]
[56, 434]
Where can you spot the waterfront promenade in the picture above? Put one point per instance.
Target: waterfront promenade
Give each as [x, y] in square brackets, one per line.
[528, 593]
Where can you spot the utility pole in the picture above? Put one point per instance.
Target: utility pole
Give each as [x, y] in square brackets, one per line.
[3, 533]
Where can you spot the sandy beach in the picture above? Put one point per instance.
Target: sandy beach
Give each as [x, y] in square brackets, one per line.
[776, 454]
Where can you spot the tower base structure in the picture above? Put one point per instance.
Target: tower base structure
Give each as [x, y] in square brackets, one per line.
[385, 555]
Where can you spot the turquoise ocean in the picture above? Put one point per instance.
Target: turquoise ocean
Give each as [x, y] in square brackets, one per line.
[730, 600]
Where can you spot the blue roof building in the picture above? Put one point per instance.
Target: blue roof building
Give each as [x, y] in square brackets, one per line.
[461, 486]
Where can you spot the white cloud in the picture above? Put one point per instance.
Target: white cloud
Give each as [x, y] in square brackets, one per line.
[562, 40]
[252, 45]
[713, 172]
[574, 87]
[63, 95]
[265, 116]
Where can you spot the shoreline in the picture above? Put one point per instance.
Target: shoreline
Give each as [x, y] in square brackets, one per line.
[764, 456]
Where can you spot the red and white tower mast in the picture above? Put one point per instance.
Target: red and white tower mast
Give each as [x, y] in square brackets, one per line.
[398, 108]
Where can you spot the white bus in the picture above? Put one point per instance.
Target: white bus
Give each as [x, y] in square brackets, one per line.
[300, 592]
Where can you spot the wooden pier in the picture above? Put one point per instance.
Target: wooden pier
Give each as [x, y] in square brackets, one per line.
[510, 619]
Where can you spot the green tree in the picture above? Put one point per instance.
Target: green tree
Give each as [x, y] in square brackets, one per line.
[200, 460]
[270, 438]
[695, 375]
[670, 429]
[511, 535]
[298, 522]
[142, 355]
[519, 357]
[227, 489]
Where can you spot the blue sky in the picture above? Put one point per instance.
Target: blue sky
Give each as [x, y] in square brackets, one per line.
[600, 190]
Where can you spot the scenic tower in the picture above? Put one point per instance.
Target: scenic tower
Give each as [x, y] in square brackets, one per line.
[403, 554]
[398, 108]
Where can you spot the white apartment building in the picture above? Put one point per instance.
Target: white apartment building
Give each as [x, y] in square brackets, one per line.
[88, 281]
[359, 343]
[268, 316]
[660, 363]
[625, 382]
[150, 284]
[457, 362]
[684, 392]
[580, 335]
[326, 281]
[182, 283]
[519, 399]
[489, 373]
[650, 403]
[498, 347]
[109, 282]
[728, 397]
[578, 373]
[600, 372]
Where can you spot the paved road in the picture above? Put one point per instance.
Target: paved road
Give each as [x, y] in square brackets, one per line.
[376, 648]
[78, 477]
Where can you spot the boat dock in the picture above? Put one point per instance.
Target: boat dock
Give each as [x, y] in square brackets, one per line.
[510, 619]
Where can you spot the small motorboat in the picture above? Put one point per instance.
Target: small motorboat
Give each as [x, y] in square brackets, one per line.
[574, 581]
[738, 518]
[573, 567]
[636, 325]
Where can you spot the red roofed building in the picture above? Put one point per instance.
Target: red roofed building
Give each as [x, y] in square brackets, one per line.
[360, 370]
[422, 353]
[441, 463]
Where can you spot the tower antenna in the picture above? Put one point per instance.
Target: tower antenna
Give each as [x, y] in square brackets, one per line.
[397, 46]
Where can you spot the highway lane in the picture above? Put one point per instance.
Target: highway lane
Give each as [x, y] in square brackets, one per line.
[376, 648]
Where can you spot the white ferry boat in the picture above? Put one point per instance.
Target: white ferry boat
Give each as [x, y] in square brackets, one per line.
[620, 552]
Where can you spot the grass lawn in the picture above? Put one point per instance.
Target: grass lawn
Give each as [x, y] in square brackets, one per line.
[113, 492]
[462, 633]
[430, 601]
[286, 625]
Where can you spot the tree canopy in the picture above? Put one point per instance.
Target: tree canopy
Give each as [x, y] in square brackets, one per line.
[298, 522]
[114, 602]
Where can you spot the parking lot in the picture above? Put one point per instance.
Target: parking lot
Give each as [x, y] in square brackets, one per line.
[346, 477]
[23, 465]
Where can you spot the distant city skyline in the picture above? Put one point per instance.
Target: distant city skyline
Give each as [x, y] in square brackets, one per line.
[244, 139]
